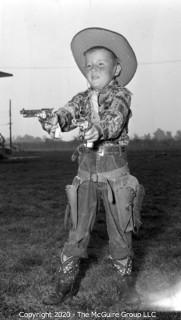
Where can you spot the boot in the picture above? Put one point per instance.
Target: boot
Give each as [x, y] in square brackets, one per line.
[66, 279]
[127, 292]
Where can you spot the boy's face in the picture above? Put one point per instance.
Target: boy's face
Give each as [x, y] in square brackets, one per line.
[100, 67]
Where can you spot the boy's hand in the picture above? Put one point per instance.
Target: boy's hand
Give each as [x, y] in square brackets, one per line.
[92, 134]
[53, 119]
[48, 124]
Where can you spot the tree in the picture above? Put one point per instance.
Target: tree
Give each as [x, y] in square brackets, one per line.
[147, 136]
[136, 137]
[178, 135]
[169, 135]
[159, 135]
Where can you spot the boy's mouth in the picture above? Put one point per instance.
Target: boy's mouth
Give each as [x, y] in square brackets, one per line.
[95, 78]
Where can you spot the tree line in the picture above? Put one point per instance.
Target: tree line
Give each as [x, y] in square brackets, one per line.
[158, 135]
[159, 139]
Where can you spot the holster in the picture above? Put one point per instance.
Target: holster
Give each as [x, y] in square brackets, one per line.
[128, 199]
[137, 204]
[71, 192]
[72, 205]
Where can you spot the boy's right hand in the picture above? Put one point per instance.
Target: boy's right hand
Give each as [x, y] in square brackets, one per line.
[92, 134]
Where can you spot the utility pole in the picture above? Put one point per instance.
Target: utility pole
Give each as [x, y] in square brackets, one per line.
[10, 126]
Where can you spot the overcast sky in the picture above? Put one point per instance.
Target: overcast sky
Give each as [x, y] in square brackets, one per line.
[35, 38]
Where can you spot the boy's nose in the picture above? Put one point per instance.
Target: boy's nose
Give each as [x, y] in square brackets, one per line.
[95, 71]
[94, 68]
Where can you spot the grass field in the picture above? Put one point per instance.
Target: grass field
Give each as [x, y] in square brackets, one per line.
[32, 204]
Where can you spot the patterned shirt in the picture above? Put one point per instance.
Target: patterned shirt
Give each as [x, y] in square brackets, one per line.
[113, 112]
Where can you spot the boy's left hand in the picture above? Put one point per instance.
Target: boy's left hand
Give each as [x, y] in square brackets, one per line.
[92, 134]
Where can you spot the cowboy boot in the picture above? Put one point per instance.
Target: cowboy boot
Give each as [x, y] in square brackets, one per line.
[127, 292]
[66, 279]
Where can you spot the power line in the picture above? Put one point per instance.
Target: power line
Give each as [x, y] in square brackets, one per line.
[160, 62]
[38, 67]
[73, 67]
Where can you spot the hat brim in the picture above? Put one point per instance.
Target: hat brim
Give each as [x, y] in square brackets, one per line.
[5, 74]
[93, 37]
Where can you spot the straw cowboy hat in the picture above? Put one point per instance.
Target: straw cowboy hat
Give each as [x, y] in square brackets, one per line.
[93, 37]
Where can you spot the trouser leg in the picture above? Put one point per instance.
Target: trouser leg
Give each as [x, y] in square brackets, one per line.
[76, 245]
[78, 239]
[121, 253]
[120, 242]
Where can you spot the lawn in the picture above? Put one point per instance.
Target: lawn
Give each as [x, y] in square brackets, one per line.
[32, 204]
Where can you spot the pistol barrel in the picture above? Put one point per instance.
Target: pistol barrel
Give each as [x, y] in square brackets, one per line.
[30, 113]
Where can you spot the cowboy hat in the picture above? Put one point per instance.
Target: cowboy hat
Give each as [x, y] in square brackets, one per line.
[99, 37]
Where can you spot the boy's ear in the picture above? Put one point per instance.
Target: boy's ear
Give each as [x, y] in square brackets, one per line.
[118, 70]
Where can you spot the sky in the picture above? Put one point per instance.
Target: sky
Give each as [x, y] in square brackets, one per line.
[35, 38]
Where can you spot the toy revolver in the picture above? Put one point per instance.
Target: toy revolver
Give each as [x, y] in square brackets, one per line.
[84, 125]
[32, 113]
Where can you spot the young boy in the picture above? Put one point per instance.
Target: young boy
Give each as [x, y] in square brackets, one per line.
[108, 62]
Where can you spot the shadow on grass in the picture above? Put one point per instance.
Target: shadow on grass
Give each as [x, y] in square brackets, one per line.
[27, 262]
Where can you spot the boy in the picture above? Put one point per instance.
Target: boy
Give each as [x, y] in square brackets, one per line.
[108, 62]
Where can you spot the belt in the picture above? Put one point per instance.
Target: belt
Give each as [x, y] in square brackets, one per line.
[110, 148]
[105, 148]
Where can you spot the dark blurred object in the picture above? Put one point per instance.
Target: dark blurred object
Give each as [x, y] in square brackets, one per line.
[5, 74]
